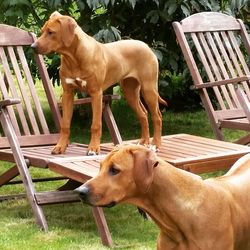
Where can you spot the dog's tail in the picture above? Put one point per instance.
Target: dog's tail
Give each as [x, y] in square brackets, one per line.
[160, 100]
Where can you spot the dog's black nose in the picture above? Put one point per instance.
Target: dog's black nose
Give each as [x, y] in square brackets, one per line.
[33, 45]
[83, 192]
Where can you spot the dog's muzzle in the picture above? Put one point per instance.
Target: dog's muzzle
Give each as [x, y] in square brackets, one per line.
[37, 48]
[84, 193]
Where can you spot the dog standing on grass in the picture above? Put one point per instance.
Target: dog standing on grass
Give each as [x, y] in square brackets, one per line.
[192, 214]
[93, 67]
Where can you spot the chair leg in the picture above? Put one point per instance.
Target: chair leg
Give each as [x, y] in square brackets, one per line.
[102, 226]
[9, 175]
[245, 140]
[219, 134]
[111, 124]
[22, 169]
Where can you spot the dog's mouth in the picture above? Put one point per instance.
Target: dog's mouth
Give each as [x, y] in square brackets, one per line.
[94, 204]
[109, 205]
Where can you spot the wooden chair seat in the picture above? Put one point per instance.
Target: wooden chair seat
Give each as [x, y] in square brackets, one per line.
[197, 154]
[40, 156]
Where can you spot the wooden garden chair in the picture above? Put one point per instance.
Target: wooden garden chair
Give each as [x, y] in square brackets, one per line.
[26, 137]
[216, 48]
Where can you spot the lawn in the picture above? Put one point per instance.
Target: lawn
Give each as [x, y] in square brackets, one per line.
[71, 226]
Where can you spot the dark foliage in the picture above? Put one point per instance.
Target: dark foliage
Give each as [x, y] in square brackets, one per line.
[146, 20]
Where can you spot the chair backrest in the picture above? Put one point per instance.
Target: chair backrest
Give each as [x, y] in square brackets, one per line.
[215, 46]
[17, 81]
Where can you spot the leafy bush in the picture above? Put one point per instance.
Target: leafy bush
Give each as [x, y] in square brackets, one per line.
[146, 20]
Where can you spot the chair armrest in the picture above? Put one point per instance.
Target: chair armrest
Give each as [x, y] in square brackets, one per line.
[220, 83]
[8, 102]
[244, 102]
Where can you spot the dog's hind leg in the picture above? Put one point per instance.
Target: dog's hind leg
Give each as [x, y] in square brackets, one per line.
[131, 90]
[151, 98]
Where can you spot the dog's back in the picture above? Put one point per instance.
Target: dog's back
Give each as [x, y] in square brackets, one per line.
[236, 185]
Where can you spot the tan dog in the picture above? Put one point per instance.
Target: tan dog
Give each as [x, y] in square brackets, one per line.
[93, 67]
[192, 213]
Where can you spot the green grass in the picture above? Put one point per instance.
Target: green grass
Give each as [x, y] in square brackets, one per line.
[71, 226]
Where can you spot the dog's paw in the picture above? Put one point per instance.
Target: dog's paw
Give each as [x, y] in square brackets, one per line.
[153, 148]
[92, 153]
[58, 150]
[143, 142]
[92, 150]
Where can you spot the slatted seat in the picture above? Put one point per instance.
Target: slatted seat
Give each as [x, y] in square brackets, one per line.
[216, 48]
[197, 154]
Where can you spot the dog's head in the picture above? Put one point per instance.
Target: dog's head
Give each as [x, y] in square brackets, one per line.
[57, 34]
[127, 172]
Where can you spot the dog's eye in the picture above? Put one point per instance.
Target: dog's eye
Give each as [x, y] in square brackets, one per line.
[50, 32]
[114, 171]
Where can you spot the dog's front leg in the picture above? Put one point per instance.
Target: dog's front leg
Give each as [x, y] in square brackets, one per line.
[67, 111]
[96, 127]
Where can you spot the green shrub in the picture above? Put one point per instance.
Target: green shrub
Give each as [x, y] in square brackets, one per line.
[146, 20]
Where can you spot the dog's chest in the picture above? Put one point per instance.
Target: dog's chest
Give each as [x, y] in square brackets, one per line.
[77, 82]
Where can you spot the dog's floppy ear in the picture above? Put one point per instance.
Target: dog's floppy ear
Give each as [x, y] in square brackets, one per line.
[144, 163]
[68, 26]
[55, 14]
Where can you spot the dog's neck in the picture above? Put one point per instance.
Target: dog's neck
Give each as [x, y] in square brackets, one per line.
[74, 54]
[178, 197]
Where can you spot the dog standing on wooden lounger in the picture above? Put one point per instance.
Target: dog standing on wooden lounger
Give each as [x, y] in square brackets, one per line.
[192, 213]
[93, 67]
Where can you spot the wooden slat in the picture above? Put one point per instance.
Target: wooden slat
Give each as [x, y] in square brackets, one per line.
[55, 197]
[214, 67]
[13, 91]
[229, 114]
[33, 92]
[224, 72]
[207, 69]
[232, 69]
[23, 90]
[236, 57]
[240, 124]
[32, 140]
[73, 171]
[60, 160]
[222, 82]
[48, 90]
[10, 110]
[243, 63]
